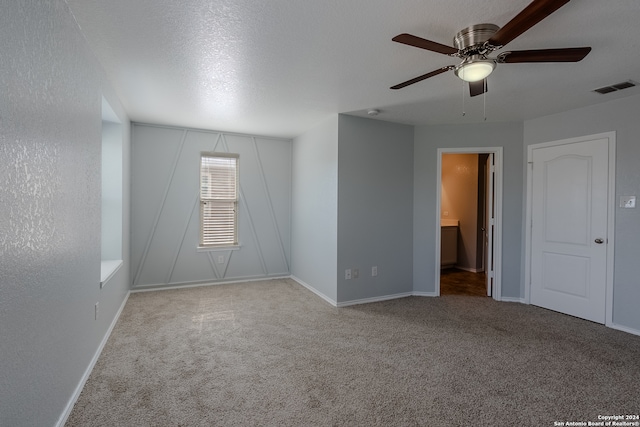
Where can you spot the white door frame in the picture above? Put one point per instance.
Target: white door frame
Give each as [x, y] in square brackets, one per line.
[497, 194]
[611, 203]
[488, 223]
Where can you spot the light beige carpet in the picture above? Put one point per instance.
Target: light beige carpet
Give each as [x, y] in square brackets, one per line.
[273, 354]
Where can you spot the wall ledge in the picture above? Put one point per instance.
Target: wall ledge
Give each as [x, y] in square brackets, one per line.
[108, 268]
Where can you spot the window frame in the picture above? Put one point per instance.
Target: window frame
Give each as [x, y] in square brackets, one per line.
[204, 201]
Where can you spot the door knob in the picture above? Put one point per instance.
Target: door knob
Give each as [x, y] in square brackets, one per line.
[599, 241]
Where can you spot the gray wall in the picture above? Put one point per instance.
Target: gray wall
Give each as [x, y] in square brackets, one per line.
[315, 208]
[166, 209]
[427, 140]
[375, 207]
[620, 116]
[51, 88]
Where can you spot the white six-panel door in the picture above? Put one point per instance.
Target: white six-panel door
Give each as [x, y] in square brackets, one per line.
[569, 228]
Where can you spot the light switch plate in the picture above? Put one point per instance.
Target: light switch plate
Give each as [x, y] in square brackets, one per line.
[628, 202]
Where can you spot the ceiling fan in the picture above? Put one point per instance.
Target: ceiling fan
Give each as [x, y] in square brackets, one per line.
[473, 45]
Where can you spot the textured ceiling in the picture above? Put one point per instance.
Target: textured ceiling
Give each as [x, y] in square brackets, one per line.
[278, 67]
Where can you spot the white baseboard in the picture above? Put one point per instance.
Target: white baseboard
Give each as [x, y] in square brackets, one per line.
[624, 329]
[183, 285]
[314, 290]
[352, 302]
[512, 299]
[74, 398]
[374, 299]
[425, 294]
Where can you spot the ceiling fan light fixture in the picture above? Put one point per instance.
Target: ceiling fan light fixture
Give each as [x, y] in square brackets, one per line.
[475, 69]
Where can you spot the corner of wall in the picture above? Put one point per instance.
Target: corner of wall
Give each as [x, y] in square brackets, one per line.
[314, 207]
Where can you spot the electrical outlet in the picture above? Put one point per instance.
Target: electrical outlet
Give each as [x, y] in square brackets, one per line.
[628, 202]
[347, 274]
[220, 259]
[96, 312]
[356, 273]
[374, 271]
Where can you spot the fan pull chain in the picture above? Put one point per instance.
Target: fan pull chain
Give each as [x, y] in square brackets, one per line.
[463, 113]
[484, 101]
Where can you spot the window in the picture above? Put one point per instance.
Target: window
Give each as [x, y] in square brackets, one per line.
[218, 199]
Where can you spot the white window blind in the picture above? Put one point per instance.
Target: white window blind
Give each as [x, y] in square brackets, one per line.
[218, 199]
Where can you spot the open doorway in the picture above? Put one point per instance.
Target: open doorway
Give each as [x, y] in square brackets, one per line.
[468, 228]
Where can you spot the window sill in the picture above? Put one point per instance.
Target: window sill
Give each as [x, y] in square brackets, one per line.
[218, 248]
[107, 269]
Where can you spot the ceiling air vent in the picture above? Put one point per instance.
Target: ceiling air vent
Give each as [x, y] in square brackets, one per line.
[613, 88]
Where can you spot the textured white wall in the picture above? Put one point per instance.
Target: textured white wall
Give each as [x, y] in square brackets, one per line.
[166, 208]
[620, 116]
[51, 89]
[315, 208]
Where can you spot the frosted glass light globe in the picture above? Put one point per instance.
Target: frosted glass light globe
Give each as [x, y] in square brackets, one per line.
[475, 71]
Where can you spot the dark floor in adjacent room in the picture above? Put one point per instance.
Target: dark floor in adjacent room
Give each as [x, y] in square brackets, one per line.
[460, 282]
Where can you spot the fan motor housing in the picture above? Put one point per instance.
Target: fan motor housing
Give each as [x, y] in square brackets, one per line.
[473, 37]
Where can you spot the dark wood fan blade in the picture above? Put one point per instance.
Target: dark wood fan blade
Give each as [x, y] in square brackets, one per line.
[530, 16]
[478, 88]
[570, 54]
[424, 44]
[422, 77]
